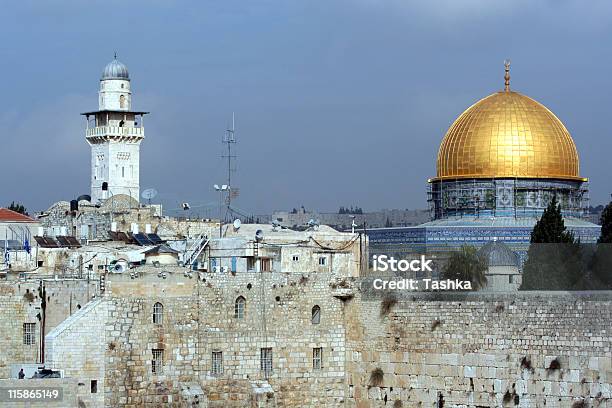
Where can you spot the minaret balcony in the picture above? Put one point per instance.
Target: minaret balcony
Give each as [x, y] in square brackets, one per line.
[101, 133]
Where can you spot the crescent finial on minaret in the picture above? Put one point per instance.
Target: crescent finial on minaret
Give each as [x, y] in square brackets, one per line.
[507, 75]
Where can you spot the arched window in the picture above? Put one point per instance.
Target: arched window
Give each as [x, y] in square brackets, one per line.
[316, 315]
[122, 101]
[158, 313]
[239, 307]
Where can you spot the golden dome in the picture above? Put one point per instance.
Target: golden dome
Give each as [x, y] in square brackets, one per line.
[507, 134]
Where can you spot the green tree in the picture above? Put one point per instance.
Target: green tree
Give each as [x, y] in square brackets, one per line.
[606, 225]
[466, 265]
[18, 208]
[602, 259]
[554, 259]
[550, 228]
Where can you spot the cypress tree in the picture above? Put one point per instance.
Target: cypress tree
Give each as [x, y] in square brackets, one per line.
[554, 259]
[602, 259]
[606, 225]
[550, 228]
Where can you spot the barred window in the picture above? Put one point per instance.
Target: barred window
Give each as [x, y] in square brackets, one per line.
[239, 307]
[265, 264]
[157, 364]
[217, 362]
[266, 361]
[322, 261]
[316, 315]
[29, 330]
[317, 358]
[158, 313]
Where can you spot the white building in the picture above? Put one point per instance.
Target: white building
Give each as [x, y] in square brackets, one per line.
[114, 133]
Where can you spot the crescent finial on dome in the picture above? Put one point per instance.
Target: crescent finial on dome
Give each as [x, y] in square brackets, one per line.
[507, 75]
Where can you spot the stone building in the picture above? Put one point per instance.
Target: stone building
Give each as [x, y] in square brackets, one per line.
[16, 232]
[342, 222]
[503, 264]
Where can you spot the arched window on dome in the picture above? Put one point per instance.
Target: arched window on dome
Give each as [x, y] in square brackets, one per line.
[239, 307]
[122, 101]
[316, 315]
[158, 313]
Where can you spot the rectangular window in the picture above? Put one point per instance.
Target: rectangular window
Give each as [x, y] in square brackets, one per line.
[266, 264]
[29, 330]
[295, 258]
[157, 364]
[234, 264]
[322, 261]
[266, 361]
[217, 362]
[317, 358]
[94, 386]
[250, 264]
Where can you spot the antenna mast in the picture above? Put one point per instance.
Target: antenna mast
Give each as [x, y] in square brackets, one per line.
[229, 139]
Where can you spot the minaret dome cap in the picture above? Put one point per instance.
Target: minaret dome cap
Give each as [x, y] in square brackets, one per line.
[115, 70]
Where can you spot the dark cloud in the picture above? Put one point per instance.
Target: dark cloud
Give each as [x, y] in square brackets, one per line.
[337, 103]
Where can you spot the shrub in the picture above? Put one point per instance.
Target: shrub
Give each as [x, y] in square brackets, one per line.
[435, 324]
[554, 365]
[376, 377]
[28, 296]
[526, 364]
[387, 304]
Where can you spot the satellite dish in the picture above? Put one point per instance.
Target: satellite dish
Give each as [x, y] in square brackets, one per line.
[149, 194]
[237, 223]
[121, 266]
[259, 235]
[186, 206]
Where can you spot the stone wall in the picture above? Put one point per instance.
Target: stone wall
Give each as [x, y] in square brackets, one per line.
[476, 350]
[85, 362]
[20, 303]
[453, 350]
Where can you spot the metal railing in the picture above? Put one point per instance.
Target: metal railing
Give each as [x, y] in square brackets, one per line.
[114, 131]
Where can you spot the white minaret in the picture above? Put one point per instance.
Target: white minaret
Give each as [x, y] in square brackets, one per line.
[114, 133]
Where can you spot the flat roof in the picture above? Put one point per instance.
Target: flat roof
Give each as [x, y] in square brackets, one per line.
[113, 111]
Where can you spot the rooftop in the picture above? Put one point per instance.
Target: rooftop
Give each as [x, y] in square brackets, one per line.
[7, 215]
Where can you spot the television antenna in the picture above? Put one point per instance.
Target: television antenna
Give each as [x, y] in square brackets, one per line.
[229, 138]
[149, 194]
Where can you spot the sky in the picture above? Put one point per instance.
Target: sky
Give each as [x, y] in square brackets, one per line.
[337, 103]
